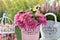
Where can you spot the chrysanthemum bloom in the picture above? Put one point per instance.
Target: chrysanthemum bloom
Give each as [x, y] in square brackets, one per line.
[20, 17]
[24, 20]
[41, 18]
[16, 17]
[31, 24]
[18, 21]
[26, 15]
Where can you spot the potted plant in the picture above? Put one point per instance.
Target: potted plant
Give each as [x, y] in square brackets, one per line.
[29, 23]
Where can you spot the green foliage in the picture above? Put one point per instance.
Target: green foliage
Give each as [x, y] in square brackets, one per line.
[12, 7]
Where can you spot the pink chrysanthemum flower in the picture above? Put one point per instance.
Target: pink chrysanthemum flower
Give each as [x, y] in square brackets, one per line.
[41, 18]
[24, 20]
[26, 15]
[16, 17]
[31, 24]
[18, 21]
[21, 25]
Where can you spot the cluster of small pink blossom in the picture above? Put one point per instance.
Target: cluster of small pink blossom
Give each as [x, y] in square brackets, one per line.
[8, 36]
[26, 20]
[49, 7]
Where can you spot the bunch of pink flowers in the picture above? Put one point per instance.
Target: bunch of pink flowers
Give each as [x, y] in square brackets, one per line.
[8, 36]
[49, 7]
[27, 20]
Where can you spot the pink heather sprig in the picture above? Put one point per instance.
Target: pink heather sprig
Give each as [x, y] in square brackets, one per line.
[14, 37]
[1, 37]
[24, 20]
[11, 35]
[49, 7]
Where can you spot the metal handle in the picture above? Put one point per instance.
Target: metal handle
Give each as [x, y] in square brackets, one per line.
[52, 15]
[5, 17]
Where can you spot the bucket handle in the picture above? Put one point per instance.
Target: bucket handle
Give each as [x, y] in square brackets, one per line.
[55, 18]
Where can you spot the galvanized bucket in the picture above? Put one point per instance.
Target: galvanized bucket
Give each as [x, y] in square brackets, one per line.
[51, 31]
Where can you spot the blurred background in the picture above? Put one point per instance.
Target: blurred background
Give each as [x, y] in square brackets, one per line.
[13, 6]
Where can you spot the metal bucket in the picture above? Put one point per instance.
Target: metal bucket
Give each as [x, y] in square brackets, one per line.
[51, 31]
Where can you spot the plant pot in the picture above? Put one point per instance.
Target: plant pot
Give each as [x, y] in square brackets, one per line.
[33, 35]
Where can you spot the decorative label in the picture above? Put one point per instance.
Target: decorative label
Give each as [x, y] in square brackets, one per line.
[49, 31]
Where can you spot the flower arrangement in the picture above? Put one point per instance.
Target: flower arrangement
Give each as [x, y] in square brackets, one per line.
[29, 20]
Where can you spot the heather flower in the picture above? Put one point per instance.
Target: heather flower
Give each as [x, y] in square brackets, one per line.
[58, 9]
[14, 37]
[0, 37]
[43, 8]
